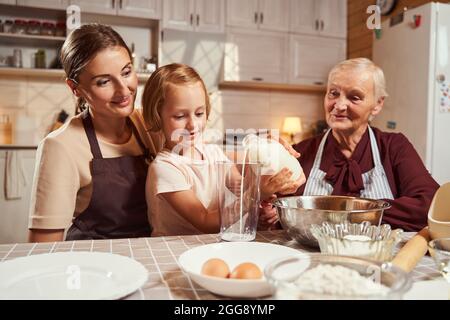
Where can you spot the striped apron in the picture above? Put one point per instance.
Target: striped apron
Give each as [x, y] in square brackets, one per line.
[376, 185]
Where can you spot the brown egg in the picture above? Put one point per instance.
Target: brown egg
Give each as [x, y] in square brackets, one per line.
[246, 270]
[216, 268]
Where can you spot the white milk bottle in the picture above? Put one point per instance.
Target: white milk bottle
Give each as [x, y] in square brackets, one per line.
[271, 154]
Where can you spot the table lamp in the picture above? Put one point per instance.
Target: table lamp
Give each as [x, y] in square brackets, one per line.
[292, 126]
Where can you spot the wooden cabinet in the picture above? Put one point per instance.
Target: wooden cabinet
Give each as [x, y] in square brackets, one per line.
[256, 56]
[259, 14]
[102, 6]
[7, 1]
[48, 4]
[319, 17]
[148, 9]
[194, 15]
[312, 58]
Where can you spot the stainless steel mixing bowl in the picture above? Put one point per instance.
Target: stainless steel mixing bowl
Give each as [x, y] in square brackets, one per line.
[298, 213]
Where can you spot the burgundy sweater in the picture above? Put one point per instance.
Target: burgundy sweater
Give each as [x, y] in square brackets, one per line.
[411, 184]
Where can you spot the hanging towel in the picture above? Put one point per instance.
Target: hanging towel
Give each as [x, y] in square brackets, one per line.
[15, 179]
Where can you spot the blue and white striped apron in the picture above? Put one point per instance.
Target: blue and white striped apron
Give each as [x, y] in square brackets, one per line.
[376, 185]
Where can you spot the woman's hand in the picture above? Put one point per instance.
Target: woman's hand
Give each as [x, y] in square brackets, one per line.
[268, 216]
[280, 182]
[286, 145]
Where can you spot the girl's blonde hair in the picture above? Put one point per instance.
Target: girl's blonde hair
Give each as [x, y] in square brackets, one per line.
[364, 64]
[154, 96]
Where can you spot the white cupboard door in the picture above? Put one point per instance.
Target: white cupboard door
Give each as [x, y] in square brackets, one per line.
[100, 6]
[178, 14]
[274, 15]
[9, 2]
[304, 17]
[149, 9]
[209, 15]
[313, 57]
[243, 13]
[49, 4]
[255, 56]
[333, 18]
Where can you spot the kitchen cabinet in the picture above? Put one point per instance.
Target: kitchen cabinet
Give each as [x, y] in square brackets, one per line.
[48, 4]
[258, 14]
[252, 55]
[313, 57]
[148, 9]
[7, 1]
[319, 17]
[194, 15]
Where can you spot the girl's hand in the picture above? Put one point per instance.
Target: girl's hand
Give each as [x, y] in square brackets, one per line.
[268, 216]
[278, 182]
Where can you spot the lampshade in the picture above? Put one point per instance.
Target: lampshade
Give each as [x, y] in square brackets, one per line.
[292, 125]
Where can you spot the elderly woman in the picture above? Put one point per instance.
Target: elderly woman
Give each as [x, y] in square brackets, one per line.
[352, 158]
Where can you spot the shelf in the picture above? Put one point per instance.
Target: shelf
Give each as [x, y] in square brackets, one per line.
[28, 39]
[17, 147]
[260, 86]
[49, 73]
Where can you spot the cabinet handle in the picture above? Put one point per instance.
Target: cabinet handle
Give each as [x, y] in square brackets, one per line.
[198, 20]
[192, 18]
[321, 25]
[162, 35]
[256, 17]
[120, 4]
[320, 83]
[261, 17]
[113, 2]
[258, 79]
[317, 24]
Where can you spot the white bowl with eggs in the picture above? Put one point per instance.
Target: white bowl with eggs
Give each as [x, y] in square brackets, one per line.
[234, 254]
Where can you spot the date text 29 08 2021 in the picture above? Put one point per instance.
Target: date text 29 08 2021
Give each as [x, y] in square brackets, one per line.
[225, 309]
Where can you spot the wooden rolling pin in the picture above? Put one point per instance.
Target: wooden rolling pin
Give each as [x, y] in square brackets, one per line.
[413, 251]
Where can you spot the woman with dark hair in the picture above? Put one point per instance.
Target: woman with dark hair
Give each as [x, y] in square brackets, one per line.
[90, 174]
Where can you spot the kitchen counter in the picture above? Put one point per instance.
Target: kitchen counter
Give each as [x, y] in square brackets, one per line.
[159, 255]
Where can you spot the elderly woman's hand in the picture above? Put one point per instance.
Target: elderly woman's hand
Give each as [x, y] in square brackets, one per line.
[286, 145]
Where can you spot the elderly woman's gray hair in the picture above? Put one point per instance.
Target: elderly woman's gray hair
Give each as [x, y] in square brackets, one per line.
[364, 64]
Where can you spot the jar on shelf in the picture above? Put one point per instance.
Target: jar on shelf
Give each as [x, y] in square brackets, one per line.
[8, 26]
[34, 27]
[48, 29]
[60, 29]
[20, 26]
[39, 59]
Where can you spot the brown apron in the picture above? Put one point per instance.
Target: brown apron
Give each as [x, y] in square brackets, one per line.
[118, 208]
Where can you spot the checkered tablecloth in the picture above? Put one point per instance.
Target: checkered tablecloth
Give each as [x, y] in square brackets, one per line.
[159, 255]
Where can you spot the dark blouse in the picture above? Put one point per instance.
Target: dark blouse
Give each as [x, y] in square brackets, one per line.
[411, 184]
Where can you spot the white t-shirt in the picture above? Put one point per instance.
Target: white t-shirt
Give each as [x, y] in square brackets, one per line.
[171, 172]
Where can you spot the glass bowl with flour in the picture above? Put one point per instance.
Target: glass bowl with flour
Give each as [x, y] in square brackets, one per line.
[357, 239]
[332, 277]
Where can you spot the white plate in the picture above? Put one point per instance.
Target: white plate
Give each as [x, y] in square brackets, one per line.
[233, 253]
[71, 275]
[437, 289]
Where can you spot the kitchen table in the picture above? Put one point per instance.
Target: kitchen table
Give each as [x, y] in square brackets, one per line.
[159, 255]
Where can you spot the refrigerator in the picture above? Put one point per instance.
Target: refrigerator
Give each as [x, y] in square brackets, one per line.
[413, 49]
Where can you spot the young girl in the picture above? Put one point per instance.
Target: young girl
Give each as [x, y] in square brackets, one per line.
[181, 186]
